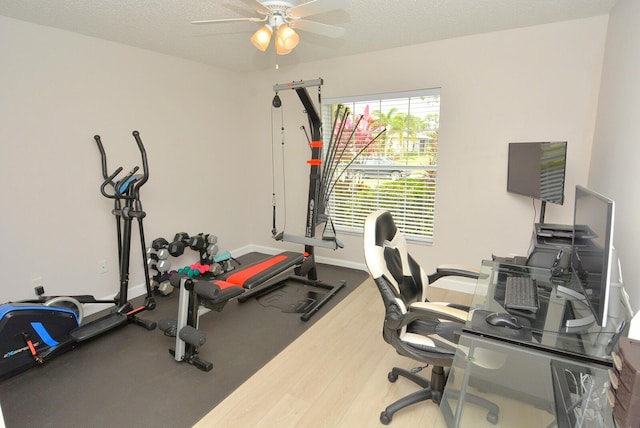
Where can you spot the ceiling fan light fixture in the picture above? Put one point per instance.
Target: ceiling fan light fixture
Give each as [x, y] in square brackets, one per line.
[287, 37]
[262, 37]
[280, 15]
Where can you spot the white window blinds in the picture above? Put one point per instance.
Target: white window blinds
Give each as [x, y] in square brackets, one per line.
[383, 154]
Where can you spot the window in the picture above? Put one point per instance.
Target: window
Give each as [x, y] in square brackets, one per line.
[382, 152]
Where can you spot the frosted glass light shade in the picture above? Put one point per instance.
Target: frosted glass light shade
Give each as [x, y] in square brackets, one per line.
[287, 38]
[280, 49]
[262, 37]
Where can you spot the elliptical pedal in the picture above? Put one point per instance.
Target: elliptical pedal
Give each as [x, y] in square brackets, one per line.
[99, 326]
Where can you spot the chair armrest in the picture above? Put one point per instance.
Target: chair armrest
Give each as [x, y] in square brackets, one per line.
[438, 310]
[424, 311]
[453, 270]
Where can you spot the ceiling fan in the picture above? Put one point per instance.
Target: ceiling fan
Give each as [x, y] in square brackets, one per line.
[282, 16]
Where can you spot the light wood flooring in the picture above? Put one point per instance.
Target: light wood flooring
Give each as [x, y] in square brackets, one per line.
[334, 375]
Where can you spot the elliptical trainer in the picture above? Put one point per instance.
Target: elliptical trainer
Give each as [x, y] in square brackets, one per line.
[34, 331]
[126, 189]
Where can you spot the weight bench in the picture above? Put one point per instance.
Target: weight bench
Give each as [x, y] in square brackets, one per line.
[259, 272]
[213, 294]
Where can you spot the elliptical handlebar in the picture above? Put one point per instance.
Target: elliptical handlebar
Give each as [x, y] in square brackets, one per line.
[143, 154]
[109, 180]
[103, 157]
[118, 185]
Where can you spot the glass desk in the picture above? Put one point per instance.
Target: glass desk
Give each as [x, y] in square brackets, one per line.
[544, 374]
[560, 301]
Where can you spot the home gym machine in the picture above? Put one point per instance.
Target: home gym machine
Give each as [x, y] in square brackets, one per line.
[315, 208]
[34, 331]
[213, 292]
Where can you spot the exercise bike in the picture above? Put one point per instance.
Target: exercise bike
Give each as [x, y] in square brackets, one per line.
[34, 331]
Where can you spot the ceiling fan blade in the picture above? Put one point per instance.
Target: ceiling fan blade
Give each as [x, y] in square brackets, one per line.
[318, 28]
[314, 7]
[257, 6]
[215, 21]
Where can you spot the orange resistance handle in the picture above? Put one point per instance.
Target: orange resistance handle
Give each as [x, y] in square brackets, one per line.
[32, 348]
[29, 343]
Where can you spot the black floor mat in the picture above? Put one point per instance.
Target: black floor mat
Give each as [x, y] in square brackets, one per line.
[293, 298]
[128, 377]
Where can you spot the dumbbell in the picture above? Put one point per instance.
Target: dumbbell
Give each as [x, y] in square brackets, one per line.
[161, 266]
[195, 270]
[215, 269]
[202, 269]
[176, 248]
[198, 242]
[201, 242]
[212, 247]
[165, 288]
[157, 257]
[159, 243]
[158, 249]
[159, 281]
[219, 263]
[157, 254]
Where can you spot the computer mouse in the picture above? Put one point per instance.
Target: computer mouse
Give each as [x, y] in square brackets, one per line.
[498, 319]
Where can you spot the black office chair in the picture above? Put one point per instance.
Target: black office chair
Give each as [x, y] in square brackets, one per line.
[418, 329]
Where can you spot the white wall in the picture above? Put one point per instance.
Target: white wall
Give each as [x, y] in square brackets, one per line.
[616, 146]
[57, 90]
[531, 84]
[208, 135]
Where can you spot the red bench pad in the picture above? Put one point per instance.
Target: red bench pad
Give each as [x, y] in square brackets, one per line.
[255, 274]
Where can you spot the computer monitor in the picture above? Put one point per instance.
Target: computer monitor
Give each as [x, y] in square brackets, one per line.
[537, 170]
[593, 254]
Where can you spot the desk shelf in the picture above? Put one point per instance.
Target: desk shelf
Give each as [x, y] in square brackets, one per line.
[532, 388]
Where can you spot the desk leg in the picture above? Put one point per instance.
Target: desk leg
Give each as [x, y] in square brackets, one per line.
[462, 396]
[465, 383]
[445, 409]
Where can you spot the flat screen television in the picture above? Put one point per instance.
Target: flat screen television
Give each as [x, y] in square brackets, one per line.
[538, 170]
[593, 255]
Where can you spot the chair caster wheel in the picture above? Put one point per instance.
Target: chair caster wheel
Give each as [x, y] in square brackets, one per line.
[492, 418]
[385, 419]
[392, 377]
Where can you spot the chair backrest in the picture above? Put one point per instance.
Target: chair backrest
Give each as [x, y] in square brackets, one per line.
[389, 262]
[401, 282]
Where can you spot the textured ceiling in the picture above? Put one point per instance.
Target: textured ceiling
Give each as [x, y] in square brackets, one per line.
[165, 25]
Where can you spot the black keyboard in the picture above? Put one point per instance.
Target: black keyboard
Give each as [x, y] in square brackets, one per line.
[521, 293]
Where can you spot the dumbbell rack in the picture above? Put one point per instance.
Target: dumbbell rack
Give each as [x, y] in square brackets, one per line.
[206, 245]
[158, 259]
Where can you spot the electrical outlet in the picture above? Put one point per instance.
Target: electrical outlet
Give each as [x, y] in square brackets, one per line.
[37, 282]
[102, 266]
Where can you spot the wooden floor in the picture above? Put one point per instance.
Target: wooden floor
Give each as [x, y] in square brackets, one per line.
[334, 375]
